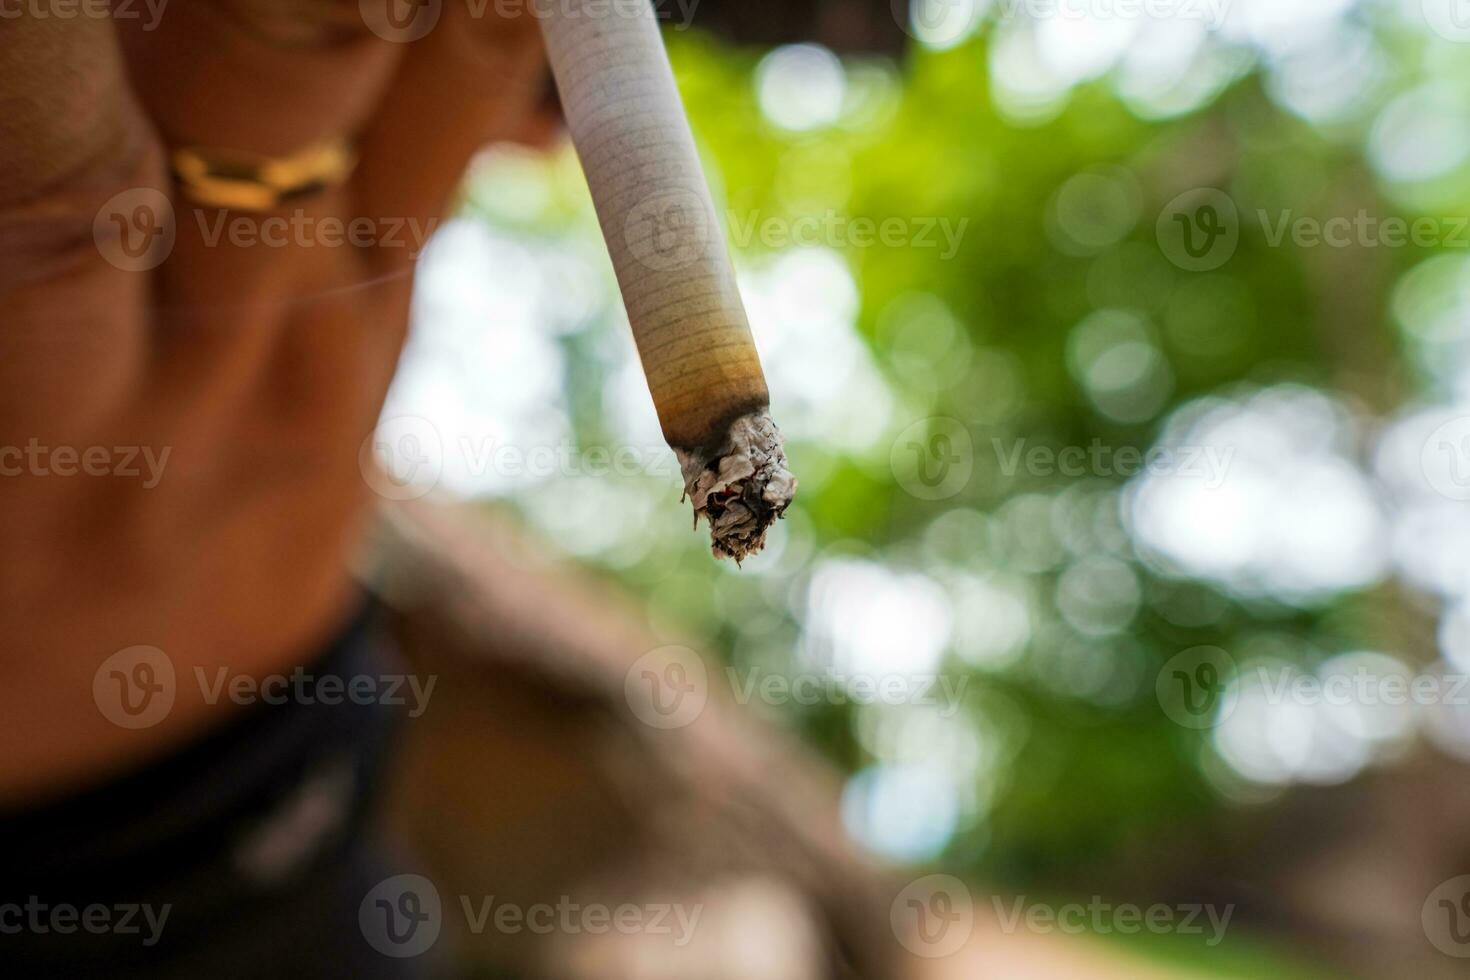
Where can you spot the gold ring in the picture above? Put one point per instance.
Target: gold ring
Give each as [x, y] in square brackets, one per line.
[241, 181]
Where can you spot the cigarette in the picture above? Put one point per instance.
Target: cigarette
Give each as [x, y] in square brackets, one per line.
[668, 250]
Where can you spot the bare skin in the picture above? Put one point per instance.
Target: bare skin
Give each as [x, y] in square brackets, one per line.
[260, 370]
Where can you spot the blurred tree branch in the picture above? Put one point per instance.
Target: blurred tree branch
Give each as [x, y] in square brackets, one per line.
[845, 26]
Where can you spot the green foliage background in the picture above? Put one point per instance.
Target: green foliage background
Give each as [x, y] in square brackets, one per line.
[1084, 780]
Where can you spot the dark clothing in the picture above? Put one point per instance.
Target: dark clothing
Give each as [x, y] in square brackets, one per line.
[243, 855]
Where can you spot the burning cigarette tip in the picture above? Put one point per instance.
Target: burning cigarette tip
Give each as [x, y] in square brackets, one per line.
[742, 487]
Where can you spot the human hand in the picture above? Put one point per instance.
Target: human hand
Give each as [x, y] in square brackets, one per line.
[184, 390]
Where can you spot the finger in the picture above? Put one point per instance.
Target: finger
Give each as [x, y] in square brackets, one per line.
[266, 78]
[473, 79]
[65, 101]
[71, 138]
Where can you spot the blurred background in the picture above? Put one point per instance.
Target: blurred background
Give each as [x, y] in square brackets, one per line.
[1123, 352]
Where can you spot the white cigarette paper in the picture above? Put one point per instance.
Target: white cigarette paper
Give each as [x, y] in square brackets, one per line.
[668, 251]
